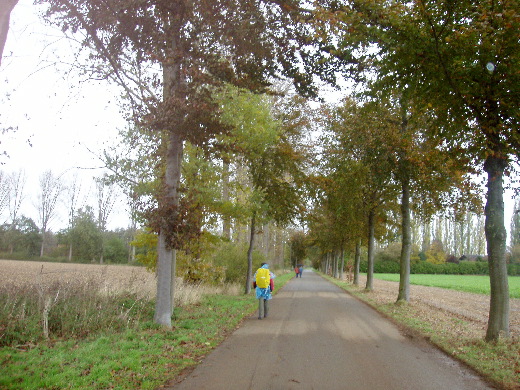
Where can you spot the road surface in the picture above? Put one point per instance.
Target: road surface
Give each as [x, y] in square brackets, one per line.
[319, 337]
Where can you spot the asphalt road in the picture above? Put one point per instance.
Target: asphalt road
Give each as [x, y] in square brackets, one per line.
[319, 337]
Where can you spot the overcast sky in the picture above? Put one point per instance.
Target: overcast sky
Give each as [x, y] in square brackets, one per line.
[58, 118]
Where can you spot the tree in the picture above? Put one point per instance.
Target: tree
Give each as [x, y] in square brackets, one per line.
[50, 191]
[115, 249]
[6, 7]
[298, 248]
[366, 141]
[73, 191]
[85, 236]
[16, 187]
[180, 52]
[515, 224]
[515, 233]
[4, 192]
[267, 147]
[106, 198]
[430, 177]
[22, 236]
[460, 57]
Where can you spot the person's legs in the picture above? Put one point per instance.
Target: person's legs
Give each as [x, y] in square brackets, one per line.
[260, 308]
[266, 308]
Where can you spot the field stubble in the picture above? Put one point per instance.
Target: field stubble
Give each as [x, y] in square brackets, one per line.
[109, 279]
[474, 308]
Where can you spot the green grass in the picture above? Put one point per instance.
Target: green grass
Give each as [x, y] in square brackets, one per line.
[144, 357]
[478, 284]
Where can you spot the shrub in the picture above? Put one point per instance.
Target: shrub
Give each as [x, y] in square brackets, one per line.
[382, 267]
[233, 257]
[473, 268]
[425, 267]
[74, 310]
[115, 250]
[197, 271]
[513, 269]
[391, 253]
[387, 267]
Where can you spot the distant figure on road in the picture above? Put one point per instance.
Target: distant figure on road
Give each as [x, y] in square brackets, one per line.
[264, 286]
[297, 270]
[300, 268]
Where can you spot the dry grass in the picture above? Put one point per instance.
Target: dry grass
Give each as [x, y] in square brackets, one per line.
[111, 279]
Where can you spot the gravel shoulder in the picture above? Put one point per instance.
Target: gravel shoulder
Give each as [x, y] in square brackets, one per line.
[473, 308]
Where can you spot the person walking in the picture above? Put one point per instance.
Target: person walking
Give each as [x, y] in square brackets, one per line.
[300, 269]
[264, 286]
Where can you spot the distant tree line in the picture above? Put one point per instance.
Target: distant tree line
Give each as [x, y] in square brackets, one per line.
[85, 239]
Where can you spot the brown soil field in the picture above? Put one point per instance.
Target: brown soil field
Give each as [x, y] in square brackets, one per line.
[110, 278]
[440, 302]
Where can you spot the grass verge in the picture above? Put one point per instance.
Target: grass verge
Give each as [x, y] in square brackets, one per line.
[478, 284]
[141, 357]
[498, 362]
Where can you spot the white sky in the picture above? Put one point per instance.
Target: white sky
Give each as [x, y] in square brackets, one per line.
[58, 117]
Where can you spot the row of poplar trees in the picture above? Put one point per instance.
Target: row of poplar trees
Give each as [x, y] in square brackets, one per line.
[454, 62]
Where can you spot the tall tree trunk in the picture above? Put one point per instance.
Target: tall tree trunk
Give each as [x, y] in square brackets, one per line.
[498, 323]
[371, 241]
[174, 87]
[6, 7]
[357, 260]
[266, 239]
[406, 247]
[250, 254]
[173, 272]
[226, 220]
[70, 252]
[327, 262]
[43, 243]
[163, 305]
[336, 264]
[165, 255]
[342, 261]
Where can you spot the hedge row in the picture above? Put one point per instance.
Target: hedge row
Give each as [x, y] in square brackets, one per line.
[423, 267]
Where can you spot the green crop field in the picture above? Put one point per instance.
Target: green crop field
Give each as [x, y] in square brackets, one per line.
[470, 283]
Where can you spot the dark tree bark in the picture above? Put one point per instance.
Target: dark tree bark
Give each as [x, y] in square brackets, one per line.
[406, 247]
[342, 261]
[250, 254]
[357, 260]
[498, 322]
[371, 241]
[226, 220]
[6, 7]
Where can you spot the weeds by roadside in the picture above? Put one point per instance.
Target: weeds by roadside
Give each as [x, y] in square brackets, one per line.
[118, 346]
